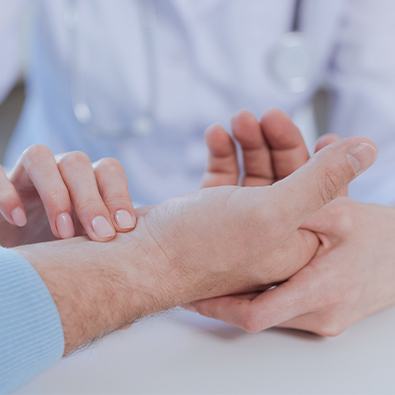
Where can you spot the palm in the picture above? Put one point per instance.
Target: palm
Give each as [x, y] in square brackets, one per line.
[271, 150]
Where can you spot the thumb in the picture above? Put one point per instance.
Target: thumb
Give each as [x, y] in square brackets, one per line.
[323, 177]
[323, 141]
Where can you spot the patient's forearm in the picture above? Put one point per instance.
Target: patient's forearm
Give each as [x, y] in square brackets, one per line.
[98, 287]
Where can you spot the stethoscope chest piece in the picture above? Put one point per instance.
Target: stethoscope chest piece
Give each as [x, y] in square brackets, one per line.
[82, 112]
[290, 64]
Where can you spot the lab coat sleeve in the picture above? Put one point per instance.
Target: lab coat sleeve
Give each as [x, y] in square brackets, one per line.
[361, 77]
[31, 334]
[12, 15]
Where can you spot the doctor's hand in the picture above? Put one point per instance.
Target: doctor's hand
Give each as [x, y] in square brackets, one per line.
[351, 277]
[237, 239]
[272, 148]
[46, 197]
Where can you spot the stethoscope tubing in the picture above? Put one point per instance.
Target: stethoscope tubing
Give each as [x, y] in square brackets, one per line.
[291, 39]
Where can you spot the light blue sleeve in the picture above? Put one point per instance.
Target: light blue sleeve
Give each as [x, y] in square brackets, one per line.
[31, 334]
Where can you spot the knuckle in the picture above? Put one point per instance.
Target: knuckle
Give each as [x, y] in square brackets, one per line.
[251, 322]
[111, 164]
[73, 158]
[329, 185]
[330, 327]
[36, 152]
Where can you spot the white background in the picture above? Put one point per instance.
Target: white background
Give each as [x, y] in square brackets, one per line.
[182, 353]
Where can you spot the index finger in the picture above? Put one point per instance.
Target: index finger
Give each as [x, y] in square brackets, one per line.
[37, 167]
[254, 313]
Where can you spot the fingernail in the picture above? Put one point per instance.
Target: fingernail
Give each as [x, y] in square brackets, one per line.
[361, 156]
[102, 228]
[64, 225]
[19, 217]
[125, 220]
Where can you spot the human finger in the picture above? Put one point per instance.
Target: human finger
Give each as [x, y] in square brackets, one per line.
[329, 321]
[334, 222]
[311, 323]
[37, 168]
[113, 187]
[287, 146]
[77, 173]
[322, 178]
[322, 142]
[257, 161]
[270, 308]
[222, 166]
[11, 206]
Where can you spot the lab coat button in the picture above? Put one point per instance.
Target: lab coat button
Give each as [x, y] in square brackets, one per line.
[82, 112]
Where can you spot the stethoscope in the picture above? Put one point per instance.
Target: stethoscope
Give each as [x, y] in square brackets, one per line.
[288, 63]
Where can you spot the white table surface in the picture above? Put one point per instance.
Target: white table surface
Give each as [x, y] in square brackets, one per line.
[181, 353]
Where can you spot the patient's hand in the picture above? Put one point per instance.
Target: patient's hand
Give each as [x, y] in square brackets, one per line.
[46, 197]
[273, 149]
[237, 239]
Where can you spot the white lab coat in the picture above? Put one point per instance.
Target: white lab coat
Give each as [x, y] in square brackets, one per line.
[189, 63]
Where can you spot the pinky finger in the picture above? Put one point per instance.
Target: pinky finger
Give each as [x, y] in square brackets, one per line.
[11, 207]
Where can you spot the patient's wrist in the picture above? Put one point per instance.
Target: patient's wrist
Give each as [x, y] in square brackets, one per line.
[98, 287]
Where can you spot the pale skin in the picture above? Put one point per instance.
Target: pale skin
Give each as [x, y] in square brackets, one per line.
[214, 242]
[76, 196]
[352, 274]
